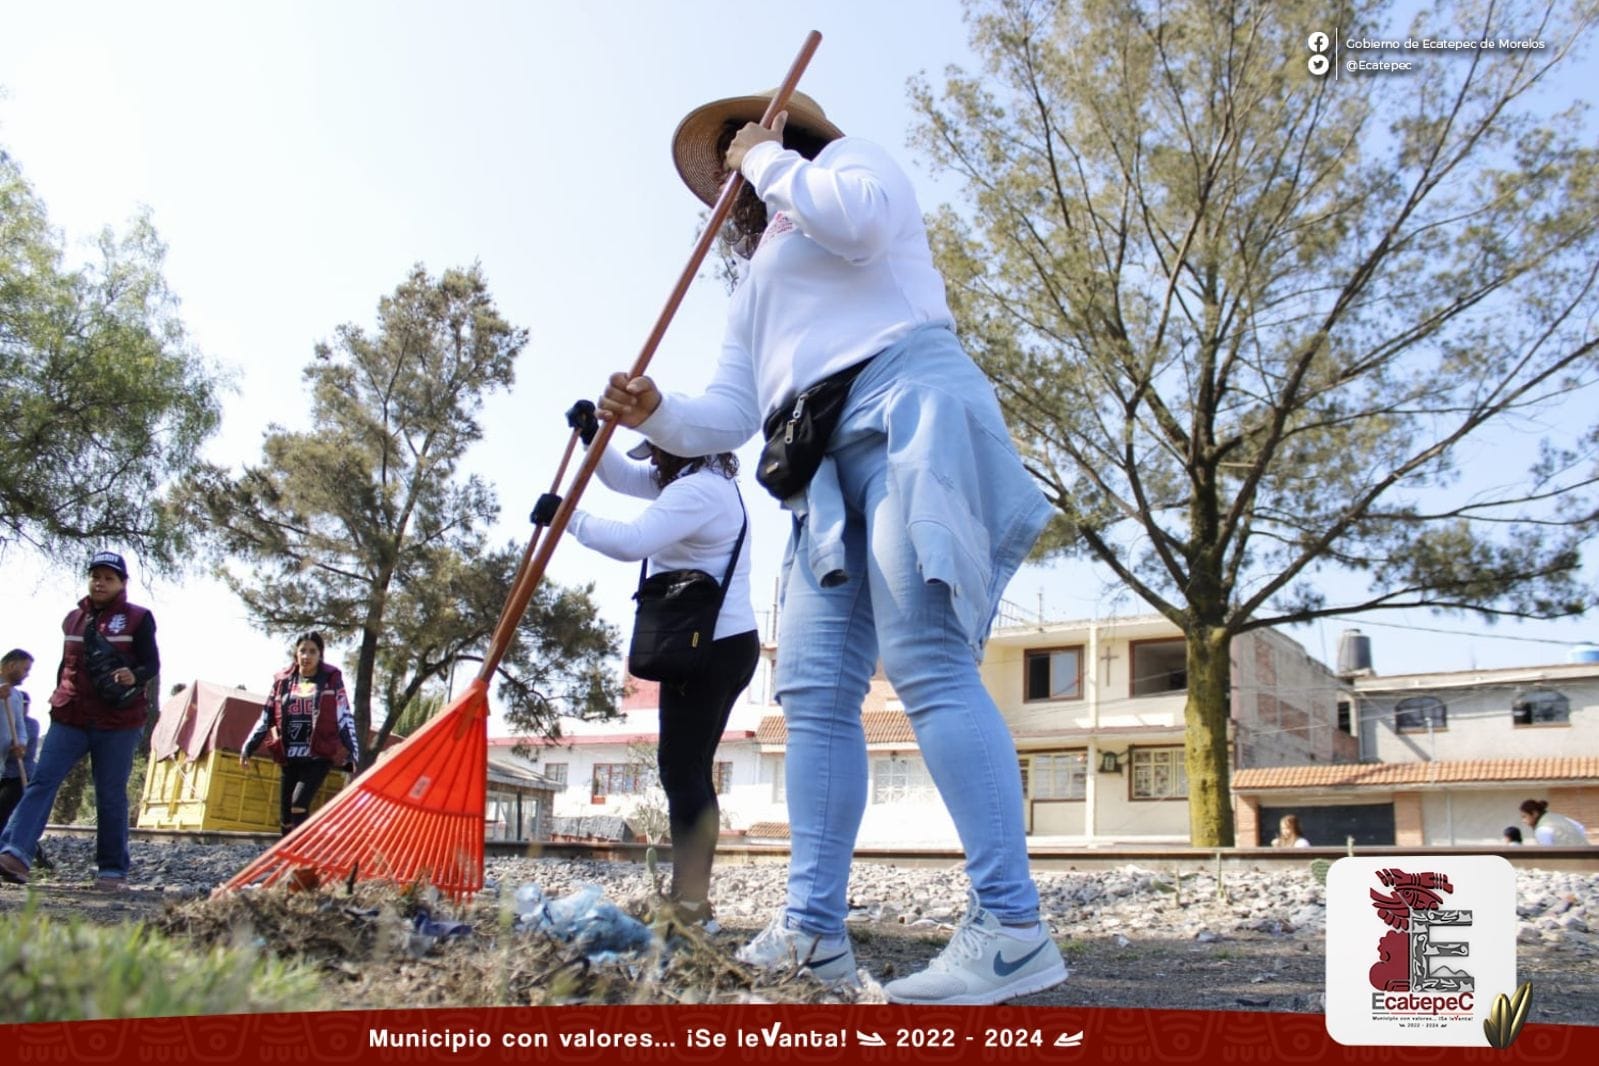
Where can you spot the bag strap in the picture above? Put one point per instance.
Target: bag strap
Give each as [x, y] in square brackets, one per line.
[727, 575]
[92, 634]
[792, 409]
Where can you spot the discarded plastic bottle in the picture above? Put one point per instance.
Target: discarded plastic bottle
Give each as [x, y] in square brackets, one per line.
[527, 901]
[608, 929]
[566, 914]
[583, 918]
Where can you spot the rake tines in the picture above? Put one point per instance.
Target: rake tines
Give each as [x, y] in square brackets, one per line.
[416, 815]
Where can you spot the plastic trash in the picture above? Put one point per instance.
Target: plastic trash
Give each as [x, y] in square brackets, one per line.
[428, 925]
[527, 900]
[583, 918]
[571, 911]
[426, 931]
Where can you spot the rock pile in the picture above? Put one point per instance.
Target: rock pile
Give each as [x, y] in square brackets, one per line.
[1131, 902]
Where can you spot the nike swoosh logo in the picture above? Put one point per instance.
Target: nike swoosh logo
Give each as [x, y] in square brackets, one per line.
[1005, 969]
[816, 964]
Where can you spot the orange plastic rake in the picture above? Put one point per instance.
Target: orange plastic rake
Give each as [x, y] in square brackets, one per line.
[418, 813]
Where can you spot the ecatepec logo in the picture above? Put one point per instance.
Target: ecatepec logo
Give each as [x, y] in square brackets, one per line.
[1410, 956]
[1418, 947]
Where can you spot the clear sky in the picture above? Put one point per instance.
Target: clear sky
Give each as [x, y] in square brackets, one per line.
[299, 157]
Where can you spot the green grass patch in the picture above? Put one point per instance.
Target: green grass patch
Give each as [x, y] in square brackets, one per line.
[1072, 948]
[53, 971]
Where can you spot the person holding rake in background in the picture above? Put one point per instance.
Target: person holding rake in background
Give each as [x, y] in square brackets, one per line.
[695, 528]
[21, 740]
[911, 512]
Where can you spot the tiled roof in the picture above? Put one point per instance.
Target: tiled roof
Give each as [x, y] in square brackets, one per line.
[579, 740]
[769, 830]
[1394, 774]
[882, 727]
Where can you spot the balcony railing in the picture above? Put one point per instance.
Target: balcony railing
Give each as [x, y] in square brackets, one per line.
[1011, 615]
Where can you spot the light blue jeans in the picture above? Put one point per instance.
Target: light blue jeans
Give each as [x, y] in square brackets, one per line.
[110, 754]
[831, 639]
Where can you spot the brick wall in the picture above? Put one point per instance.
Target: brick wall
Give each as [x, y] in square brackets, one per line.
[1295, 726]
[1246, 820]
[1265, 663]
[1579, 803]
[1407, 820]
[1347, 748]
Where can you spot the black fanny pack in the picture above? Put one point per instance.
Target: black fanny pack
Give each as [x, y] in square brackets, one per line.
[103, 662]
[797, 433]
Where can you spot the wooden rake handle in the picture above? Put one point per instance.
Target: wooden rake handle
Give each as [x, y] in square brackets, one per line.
[532, 572]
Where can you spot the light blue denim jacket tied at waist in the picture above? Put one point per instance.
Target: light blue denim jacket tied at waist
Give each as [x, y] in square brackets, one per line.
[971, 511]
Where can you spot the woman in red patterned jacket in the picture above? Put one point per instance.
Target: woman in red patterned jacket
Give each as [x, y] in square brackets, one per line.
[313, 729]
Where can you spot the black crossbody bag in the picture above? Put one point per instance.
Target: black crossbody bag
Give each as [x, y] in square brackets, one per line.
[797, 433]
[102, 662]
[676, 618]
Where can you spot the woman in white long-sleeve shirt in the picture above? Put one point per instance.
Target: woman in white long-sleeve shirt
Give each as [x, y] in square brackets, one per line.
[903, 536]
[694, 520]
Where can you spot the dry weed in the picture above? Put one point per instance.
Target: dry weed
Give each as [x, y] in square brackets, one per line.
[364, 942]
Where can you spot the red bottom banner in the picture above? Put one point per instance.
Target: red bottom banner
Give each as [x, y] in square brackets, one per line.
[768, 1033]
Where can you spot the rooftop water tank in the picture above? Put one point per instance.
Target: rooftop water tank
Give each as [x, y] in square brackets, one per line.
[1583, 653]
[1354, 653]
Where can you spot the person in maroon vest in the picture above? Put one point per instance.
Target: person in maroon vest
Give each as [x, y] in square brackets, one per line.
[312, 728]
[98, 709]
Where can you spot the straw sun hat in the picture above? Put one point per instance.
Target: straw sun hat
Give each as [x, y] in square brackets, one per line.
[694, 143]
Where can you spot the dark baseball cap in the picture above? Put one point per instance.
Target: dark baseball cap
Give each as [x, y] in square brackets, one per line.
[111, 561]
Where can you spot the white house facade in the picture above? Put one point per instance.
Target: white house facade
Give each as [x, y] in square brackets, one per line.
[1095, 707]
[1445, 759]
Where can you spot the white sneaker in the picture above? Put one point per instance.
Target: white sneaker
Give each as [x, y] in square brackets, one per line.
[830, 959]
[984, 963]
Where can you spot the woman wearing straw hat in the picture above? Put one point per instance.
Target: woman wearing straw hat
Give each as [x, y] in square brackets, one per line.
[695, 522]
[841, 346]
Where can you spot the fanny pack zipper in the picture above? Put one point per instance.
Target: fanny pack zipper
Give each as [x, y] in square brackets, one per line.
[794, 417]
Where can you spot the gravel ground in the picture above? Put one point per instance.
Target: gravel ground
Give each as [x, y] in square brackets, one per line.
[1134, 937]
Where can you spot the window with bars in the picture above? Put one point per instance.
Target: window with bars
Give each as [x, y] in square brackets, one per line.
[722, 778]
[1159, 774]
[1541, 707]
[1054, 674]
[1059, 775]
[898, 778]
[621, 779]
[1416, 714]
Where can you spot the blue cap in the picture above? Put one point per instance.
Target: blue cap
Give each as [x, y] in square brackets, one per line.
[111, 561]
